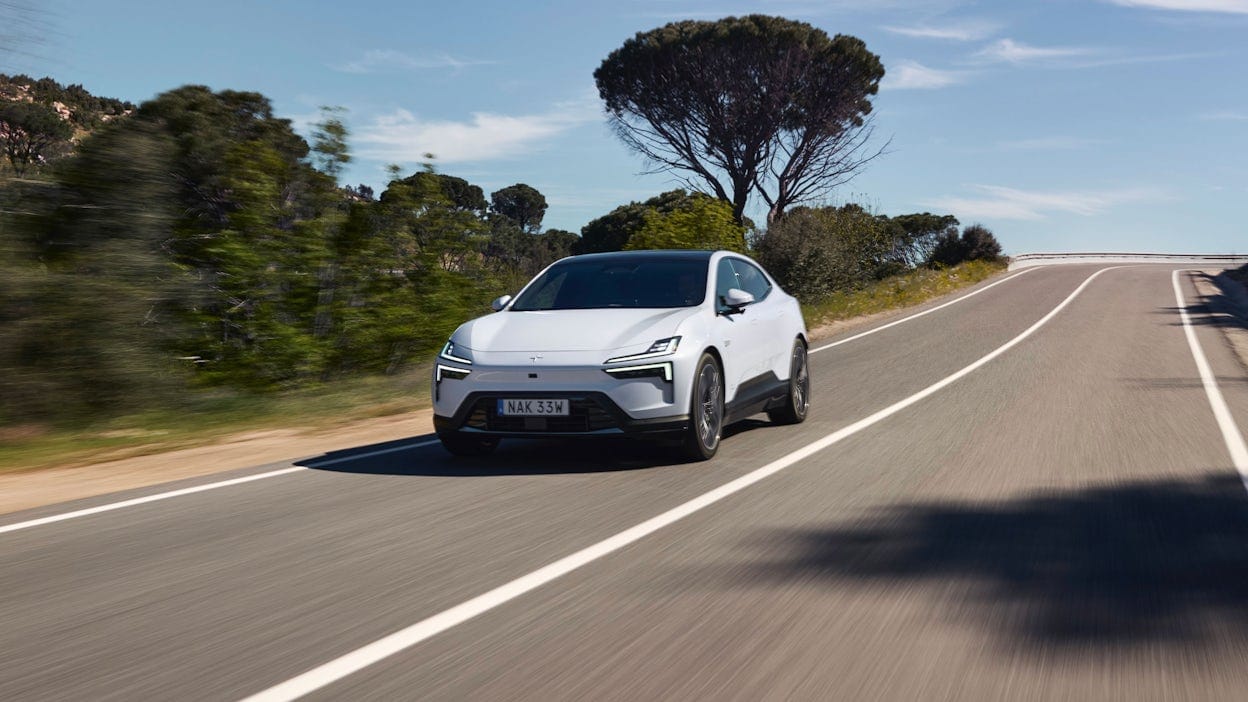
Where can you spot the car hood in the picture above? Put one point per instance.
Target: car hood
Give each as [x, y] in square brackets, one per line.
[571, 330]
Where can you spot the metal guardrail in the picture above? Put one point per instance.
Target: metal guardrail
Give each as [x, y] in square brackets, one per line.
[1049, 259]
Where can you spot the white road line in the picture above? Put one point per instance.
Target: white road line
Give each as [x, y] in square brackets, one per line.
[1230, 432]
[920, 314]
[198, 488]
[387, 646]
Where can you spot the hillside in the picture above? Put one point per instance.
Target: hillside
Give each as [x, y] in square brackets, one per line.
[41, 120]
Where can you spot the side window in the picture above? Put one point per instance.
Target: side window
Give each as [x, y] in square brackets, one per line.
[725, 280]
[751, 280]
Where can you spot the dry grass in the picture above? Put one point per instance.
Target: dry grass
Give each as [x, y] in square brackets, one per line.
[897, 292]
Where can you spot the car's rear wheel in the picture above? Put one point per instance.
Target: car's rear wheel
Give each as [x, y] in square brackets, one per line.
[706, 410]
[793, 411]
[464, 445]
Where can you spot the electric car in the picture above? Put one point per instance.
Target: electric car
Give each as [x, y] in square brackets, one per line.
[653, 344]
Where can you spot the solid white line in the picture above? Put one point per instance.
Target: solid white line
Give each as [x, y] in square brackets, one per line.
[920, 314]
[198, 488]
[1230, 432]
[361, 658]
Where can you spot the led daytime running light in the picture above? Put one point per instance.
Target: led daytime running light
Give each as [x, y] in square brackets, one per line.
[450, 372]
[662, 347]
[666, 368]
[448, 352]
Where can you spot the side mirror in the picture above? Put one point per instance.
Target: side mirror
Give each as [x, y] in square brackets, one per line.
[736, 300]
[500, 302]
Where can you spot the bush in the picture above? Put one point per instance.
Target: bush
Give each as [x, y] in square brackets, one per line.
[697, 222]
[977, 243]
[815, 251]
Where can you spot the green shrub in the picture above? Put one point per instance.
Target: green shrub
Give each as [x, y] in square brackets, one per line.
[977, 243]
[697, 222]
[815, 251]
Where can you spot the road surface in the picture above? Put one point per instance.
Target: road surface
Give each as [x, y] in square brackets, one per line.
[1022, 495]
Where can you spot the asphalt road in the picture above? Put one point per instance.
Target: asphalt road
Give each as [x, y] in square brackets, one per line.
[1063, 521]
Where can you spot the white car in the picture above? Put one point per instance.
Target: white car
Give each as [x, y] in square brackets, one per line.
[659, 344]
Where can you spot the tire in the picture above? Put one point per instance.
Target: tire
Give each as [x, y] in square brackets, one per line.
[706, 411]
[797, 403]
[462, 445]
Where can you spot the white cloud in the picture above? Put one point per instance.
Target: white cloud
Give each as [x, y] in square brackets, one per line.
[389, 59]
[1232, 6]
[964, 31]
[404, 137]
[912, 75]
[1009, 203]
[1010, 51]
[1051, 143]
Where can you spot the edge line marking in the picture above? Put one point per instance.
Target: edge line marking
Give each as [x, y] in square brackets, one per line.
[894, 323]
[17, 526]
[1226, 423]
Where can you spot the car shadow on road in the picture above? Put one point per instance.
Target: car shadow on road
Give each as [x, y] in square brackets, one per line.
[1105, 568]
[514, 456]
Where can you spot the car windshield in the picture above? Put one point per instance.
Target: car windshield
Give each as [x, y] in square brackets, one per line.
[596, 283]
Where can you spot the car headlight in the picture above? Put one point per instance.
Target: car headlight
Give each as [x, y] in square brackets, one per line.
[662, 347]
[451, 353]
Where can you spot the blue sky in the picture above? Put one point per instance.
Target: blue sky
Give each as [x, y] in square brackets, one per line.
[1063, 125]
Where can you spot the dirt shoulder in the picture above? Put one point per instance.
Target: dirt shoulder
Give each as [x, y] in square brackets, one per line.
[37, 488]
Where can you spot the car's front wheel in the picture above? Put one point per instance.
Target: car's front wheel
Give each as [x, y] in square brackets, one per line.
[706, 410]
[793, 411]
[464, 445]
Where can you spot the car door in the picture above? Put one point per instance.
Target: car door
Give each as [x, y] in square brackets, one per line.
[768, 347]
[732, 333]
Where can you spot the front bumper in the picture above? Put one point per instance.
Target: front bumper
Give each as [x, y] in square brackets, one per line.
[602, 398]
[589, 414]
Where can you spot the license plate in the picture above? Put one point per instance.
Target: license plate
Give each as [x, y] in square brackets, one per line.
[533, 408]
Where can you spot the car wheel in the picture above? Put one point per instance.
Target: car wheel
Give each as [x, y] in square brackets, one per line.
[798, 401]
[462, 445]
[706, 410]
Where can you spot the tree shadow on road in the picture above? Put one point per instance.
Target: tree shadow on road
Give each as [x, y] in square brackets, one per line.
[1228, 307]
[1108, 567]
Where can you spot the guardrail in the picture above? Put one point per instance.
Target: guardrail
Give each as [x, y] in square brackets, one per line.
[1049, 259]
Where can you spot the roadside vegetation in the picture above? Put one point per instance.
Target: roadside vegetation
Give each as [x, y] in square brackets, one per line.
[191, 265]
[897, 292]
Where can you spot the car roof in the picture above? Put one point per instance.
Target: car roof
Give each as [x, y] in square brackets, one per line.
[646, 255]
